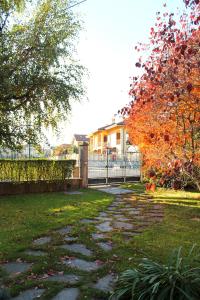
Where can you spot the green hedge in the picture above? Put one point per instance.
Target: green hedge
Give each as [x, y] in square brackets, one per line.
[34, 170]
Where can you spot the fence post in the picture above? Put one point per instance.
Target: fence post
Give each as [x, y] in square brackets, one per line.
[106, 165]
[141, 162]
[84, 164]
[125, 158]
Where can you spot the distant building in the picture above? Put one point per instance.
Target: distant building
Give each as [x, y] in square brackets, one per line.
[112, 138]
[79, 139]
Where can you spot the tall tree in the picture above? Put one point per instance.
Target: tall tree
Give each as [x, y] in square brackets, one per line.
[38, 75]
[164, 116]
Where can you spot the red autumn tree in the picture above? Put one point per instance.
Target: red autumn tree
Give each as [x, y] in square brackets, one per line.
[164, 116]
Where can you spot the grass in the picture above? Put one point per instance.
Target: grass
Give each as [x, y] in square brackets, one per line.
[180, 226]
[26, 217]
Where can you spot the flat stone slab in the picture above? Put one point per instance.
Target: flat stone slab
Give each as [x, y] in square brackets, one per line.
[105, 246]
[117, 215]
[65, 230]
[78, 248]
[15, 268]
[123, 219]
[70, 239]
[42, 241]
[134, 212]
[104, 219]
[111, 208]
[119, 200]
[157, 207]
[82, 264]
[125, 209]
[87, 221]
[67, 278]
[67, 294]
[114, 215]
[128, 205]
[104, 227]
[35, 253]
[105, 284]
[154, 215]
[98, 236]
[73, 193]
[115, 190]
[30, 294]
[122, 225]
[103, 214]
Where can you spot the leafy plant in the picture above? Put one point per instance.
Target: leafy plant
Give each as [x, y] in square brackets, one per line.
[39, 76]
[177, 280]
[29, 170]
[164, 110]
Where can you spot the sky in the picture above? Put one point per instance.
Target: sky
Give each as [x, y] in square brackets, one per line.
[111, 29]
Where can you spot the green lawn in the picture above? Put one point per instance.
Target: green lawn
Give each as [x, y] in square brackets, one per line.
[26, 217]
[180, 226]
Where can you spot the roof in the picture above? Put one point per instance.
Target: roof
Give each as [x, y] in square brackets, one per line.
[111, 125]
[121, 123]
[81, 137]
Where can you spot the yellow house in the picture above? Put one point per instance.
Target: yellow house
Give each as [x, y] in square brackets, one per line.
[113, 137]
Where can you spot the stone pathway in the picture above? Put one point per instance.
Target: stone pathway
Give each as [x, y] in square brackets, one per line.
[71, 294]
[67, 278]
[30, 294]
[42, 241]
[127, 216]
[115, 190]
[16, 268]
[106, 283]
[78, 248]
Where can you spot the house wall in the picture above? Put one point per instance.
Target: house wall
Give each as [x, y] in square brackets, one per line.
[98, 145]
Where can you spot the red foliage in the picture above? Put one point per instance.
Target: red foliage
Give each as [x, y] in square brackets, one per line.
[164, 116]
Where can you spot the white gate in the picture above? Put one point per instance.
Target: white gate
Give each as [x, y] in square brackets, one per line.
[107, 168]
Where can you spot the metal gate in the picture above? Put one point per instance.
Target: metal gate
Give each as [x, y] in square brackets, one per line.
[107, 168]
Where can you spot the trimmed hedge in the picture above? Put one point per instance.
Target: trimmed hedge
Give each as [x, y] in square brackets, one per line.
[40, 186]
[34, 170]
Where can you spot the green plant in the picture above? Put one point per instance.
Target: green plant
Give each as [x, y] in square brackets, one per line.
[177, 280]
[34, 170]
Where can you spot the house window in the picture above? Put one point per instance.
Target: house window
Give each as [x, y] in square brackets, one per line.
[105, 138]
[118, 137]
[99, 140]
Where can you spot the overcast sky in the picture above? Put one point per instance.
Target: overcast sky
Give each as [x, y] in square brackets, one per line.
[112, 28]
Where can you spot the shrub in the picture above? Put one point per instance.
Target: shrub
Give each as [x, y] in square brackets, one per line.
[177, 280]
[176, 174]
[34, 170]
